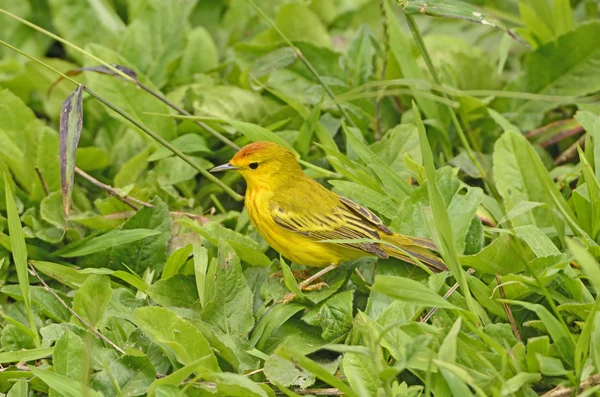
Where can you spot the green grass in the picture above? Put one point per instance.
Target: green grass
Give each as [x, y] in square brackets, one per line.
[146, 277]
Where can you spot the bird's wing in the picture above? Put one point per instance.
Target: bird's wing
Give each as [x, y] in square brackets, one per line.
[345, 220]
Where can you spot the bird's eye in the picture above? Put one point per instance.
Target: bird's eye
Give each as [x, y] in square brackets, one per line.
[253, 165]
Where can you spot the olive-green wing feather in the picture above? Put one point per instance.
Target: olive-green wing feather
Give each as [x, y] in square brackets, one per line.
[340, 222]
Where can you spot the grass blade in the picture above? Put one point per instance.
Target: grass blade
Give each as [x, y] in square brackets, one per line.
[25, 355]
[19, 251]
[64, 385]
[105, 241]
[440, 215]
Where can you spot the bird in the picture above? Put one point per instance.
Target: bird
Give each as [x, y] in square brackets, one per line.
[297, 216]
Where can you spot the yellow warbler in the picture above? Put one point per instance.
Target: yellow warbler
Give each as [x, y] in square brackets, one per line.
[294, 213]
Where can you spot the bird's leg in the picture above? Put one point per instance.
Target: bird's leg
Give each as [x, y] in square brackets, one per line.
[306, 284]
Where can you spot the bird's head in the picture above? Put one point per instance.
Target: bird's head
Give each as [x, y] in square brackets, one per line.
[263, 163]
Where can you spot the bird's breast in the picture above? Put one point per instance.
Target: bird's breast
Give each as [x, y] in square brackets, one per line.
[294, 246]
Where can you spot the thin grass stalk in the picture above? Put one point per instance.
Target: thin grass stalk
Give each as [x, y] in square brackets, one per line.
[461, 133]
[305, 61]
[135, 122]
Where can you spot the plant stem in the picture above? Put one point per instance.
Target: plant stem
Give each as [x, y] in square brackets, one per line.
[507, 309]
[77, 316]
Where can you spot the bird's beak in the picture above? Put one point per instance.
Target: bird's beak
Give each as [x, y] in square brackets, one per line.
[224, 167]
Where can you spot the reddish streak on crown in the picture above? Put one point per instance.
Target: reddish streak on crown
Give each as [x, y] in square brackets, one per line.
[255, 147]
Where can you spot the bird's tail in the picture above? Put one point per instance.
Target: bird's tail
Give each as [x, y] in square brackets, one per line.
[420, 248]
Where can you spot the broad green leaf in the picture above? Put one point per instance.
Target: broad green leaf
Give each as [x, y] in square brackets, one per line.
[289, 280]
[71, 358]
[515, 383]
[588, 263]
[155, 36]
[179, 335]
[540, 244]
[64, 274]
[200, 269]
[367, 197]
[517, 182]
[361, 374]
[91, 300]
[188, 143]
[411, 291]
[282, 372]
[107, 25]
[333, 315]
[272, 320]
[176, 377]
[231, 309]
[232, 348]
[396, 185]
[270, 62]
[127, 376]
[573, 59]
[246, 248]
[149, 252]
[19, 389]
[132, 279]
[298, 23]
[314, 368]
[235, 385]
[65, 386]
[178, 291]
[92, 158]
[557, 330]
[535, 346]
[198, 41]
[360, 57]
[550, 366]
[19, 134]
[501, 256]
[447, 350]
[176, 261]
[106, 241]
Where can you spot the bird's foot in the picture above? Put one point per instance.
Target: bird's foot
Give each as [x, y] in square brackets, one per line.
[312, 287]
[315, 287]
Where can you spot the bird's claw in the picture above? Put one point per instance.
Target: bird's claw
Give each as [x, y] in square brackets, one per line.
[315, 287]
[312, 287]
